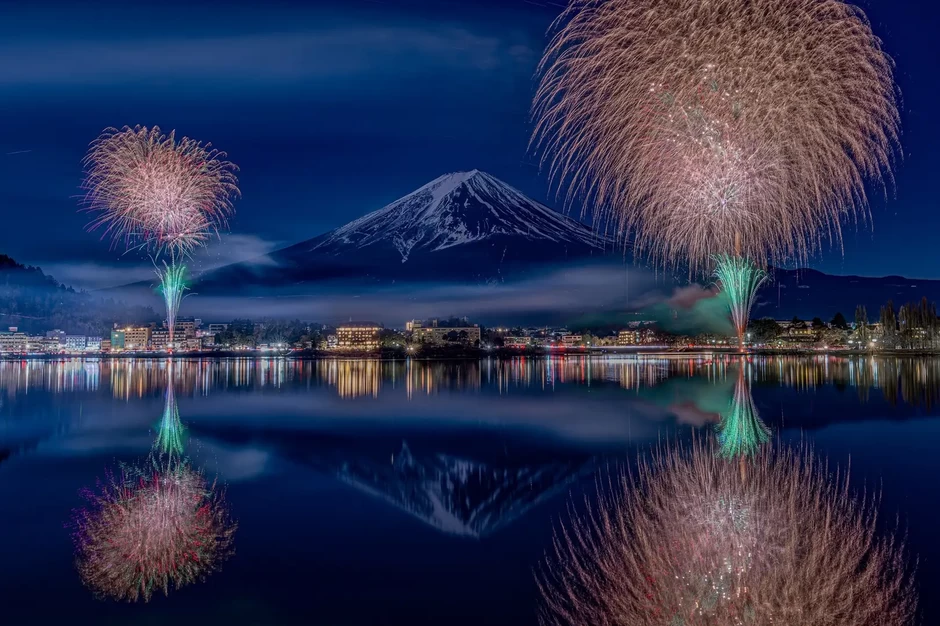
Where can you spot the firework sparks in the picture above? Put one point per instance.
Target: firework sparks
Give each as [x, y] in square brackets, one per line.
[741, 431]
[691, 542]
[740, 279]
[146, 531]
[703, 128]
[170, 431]
[152, 190]
[173, 288]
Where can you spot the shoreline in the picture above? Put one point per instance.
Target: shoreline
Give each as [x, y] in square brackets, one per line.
[658, 351]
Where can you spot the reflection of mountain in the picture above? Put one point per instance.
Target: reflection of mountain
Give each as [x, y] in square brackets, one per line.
[471, 485]
[456, 495]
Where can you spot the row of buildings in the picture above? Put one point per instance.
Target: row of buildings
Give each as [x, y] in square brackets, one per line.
[52, 342]
[187, 336]
[367, 336]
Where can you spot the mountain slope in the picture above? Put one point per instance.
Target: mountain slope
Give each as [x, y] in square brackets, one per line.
[460, 226]
[35, 302]
[452, 210]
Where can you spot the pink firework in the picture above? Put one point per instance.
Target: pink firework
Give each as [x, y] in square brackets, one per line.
[745, 127]
[143, 532]
[153, 191]
[693, 541]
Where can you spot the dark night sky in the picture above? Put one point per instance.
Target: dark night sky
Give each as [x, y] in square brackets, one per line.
[334, 108]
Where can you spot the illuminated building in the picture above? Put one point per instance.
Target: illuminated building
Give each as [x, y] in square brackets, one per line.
[628, 338]
[48, 345]
[13, 341]
[358, 336]
[570, 341]
[76, 343]
[516, 342]
[131, 338]
[439, 335]
[160, 338]
[185, 327]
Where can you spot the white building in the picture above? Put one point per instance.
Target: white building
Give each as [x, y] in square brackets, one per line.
[13, 341]
[75, 343]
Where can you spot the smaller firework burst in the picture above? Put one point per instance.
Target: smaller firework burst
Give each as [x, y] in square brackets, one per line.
[173, 288]
[144, 531]
[158, 192]
[740, 279]
[741, 431]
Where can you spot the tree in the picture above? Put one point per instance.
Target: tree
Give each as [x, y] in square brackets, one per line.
[764, 330]
[861, 326]
[587, 339]
[818, 324]
[797, 322]
[906, 325]
[889, 324]
[839, 321]
[392, 340]
[832, 337]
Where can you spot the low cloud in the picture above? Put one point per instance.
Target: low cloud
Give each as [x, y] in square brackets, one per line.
[223, 250]
[235, 248]
[92, 276]
[335, 52]
[689, 296]
[591, 295]
[554, 297]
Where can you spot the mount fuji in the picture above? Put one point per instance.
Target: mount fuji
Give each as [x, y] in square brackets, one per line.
[466, 226]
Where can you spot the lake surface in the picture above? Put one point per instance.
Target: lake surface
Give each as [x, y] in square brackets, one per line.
[420, 493]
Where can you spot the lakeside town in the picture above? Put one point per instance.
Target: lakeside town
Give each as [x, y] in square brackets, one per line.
[913, 327]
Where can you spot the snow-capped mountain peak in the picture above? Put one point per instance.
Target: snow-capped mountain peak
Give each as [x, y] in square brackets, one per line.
[456, 209]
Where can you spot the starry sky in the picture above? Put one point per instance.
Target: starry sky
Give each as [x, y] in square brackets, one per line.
[333, 108]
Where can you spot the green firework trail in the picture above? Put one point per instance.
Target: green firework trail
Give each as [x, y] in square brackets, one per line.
[173, 287]
[170, 431]
[741, 431]
[740, 279]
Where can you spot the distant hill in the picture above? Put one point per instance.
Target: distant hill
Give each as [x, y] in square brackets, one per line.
[807, 293]
[34, 302]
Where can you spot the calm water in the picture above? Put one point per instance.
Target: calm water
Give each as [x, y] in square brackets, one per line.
[411, 493]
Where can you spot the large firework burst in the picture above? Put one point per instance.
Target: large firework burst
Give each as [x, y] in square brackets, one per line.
[154, 191]
[146, 530]
[693, 541]
[728, 126]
